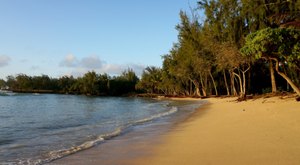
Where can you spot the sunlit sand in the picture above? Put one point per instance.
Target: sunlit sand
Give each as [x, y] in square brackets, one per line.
[261, 131]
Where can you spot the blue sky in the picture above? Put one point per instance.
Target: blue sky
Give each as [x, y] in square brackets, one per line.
[70, 37]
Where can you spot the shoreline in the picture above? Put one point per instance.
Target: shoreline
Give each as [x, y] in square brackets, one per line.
[222, 131]
[135, 142]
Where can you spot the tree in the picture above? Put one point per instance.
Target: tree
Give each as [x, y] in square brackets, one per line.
[229, 58]
[90, 83]
[130, 76]
[280, 45]
[124, 84]
[42, 82]
[104, 84]
[224, 28]
[270, 13]
[2, 84]
[64, 83]
[151, 79]
[231, 20]
[23, 82]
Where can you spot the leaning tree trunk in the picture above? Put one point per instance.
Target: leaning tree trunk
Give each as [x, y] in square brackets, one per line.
[241, 84]
[244, 84]
[206, 85]
[203, 88]
[233, 89]
[244, 81]
[196, 84]
[212, 78]
[226, 84]
[191, 88]
[273, 81]
[295, 88]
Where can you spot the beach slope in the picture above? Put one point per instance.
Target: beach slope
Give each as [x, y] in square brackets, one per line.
[257, 131]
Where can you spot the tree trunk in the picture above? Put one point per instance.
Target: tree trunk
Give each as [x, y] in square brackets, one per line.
[206, 87]
[191, 88]
[198, 92]
[196, 84]
[203, 87]
[233, 89]
[287, 84]
[295, 88]
[241, 84]
[225, 80]
[273, 81]
[212, 78]
[244, 81]
[249, 81]
[244, 85]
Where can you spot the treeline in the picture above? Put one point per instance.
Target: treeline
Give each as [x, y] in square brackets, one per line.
[242, 47]
[90, 84]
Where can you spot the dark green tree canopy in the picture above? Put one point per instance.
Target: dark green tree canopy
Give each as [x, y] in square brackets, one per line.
[280, 43]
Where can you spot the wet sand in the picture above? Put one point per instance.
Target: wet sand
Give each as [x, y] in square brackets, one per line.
[258, 131]
[120, 150]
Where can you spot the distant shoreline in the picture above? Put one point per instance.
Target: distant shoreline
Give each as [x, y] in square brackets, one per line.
[37, 91]
[160, 96]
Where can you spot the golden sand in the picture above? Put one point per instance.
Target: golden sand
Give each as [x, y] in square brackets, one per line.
[260, 131]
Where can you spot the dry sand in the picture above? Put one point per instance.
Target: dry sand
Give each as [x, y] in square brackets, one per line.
[261, 131]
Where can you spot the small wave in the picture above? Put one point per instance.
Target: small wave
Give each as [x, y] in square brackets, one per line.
[171, 111]
[54, 155]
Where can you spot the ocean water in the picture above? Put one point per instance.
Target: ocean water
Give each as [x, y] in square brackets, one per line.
[40, 128]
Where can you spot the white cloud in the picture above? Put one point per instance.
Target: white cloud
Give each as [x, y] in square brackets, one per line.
[69, 61]
[116, 69]
[112, 69]
[137, 68]
[4, 60]
[94, 63]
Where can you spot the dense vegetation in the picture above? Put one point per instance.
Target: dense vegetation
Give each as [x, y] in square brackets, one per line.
[90, 84]
[242, 47]
[235, 51]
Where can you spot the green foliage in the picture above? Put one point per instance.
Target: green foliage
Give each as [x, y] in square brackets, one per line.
[65, 83]
[280, 43]
[90, 84]
[151, 80]
[2, 83]
[124, 84]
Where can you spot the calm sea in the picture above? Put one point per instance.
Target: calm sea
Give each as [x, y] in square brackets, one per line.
[35, 129]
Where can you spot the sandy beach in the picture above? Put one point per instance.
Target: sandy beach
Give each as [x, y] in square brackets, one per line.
[257, 131]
